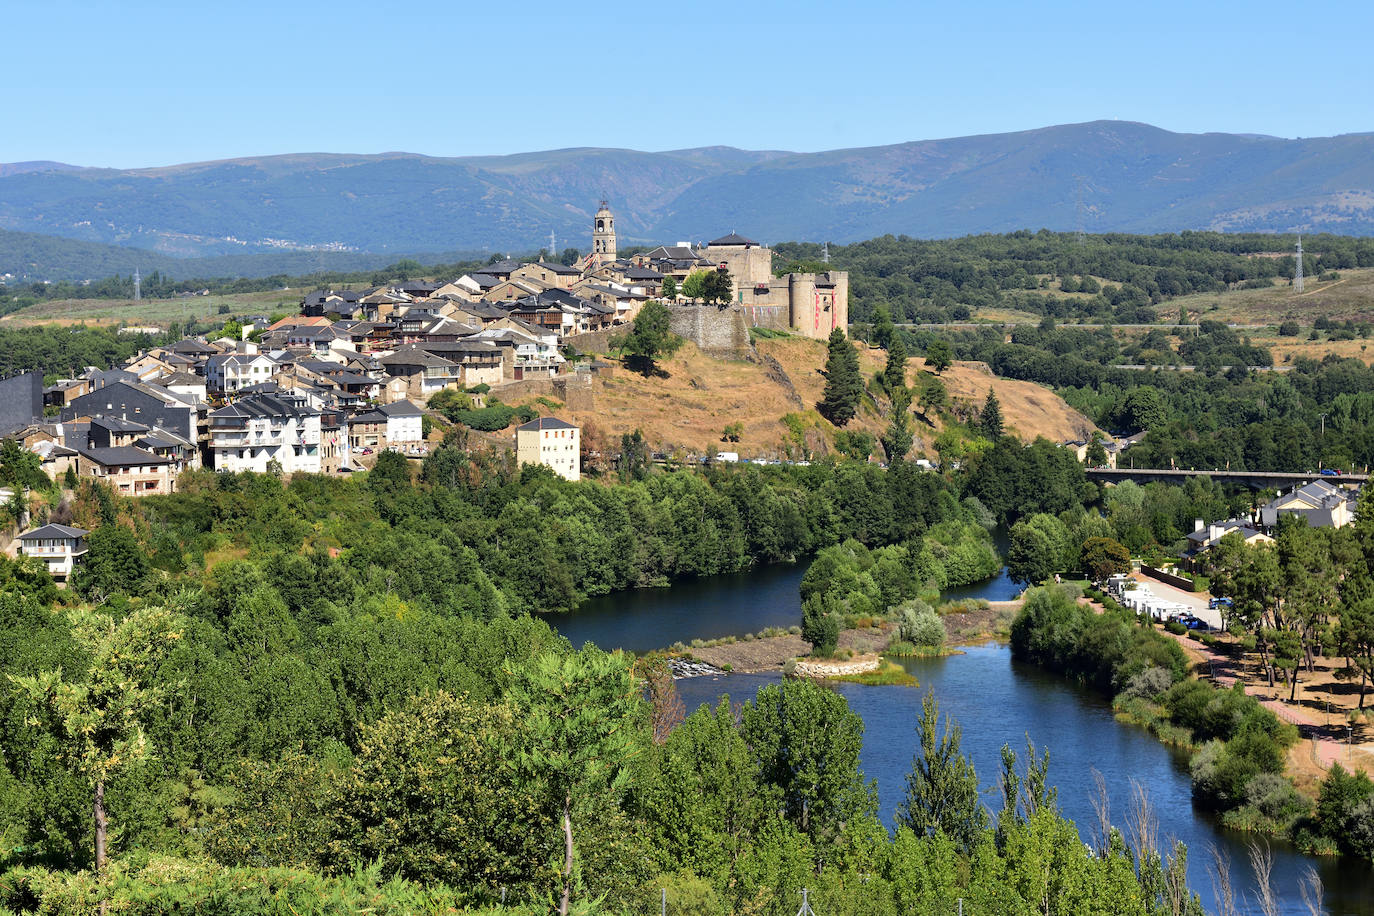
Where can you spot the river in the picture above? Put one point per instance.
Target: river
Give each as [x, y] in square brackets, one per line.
[995, 699]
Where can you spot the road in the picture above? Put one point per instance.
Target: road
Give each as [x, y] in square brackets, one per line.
[1197, 601]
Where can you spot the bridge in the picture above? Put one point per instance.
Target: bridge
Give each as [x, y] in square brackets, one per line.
[1258, 480]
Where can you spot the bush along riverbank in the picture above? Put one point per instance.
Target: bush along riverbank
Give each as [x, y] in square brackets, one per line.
[850, 586]
[1237, 746]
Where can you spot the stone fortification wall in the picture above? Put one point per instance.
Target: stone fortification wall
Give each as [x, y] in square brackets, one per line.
[773, 317]
[718, 331]
[595, 341]
[574, 390]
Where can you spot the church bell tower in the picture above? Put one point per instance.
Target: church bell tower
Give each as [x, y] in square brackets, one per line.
[603, 235]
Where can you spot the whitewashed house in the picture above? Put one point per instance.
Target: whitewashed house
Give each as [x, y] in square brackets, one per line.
[58, 546]
[258, 429]
[552, 442]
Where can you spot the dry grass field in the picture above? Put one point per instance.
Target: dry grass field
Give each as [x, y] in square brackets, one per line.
[700, 395]
[154, 311]
[1350, 297]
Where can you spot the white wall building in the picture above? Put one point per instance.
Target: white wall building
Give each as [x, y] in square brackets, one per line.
[405, 428]
[59, 546]
[258, 429]
[552, 442]
[228, 372]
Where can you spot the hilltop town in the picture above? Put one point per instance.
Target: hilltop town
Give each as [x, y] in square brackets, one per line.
[324, 390]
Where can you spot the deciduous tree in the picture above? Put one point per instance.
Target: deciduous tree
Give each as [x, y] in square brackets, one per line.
[942, 788]
[651, 337]
[98, 715]
[939, 356]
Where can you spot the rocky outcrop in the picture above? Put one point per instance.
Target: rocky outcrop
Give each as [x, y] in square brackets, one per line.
[682, 668]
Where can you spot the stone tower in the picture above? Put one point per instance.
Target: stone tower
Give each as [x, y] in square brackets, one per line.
[603, 235]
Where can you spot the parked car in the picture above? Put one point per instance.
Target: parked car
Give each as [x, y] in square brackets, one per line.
[1220, 603]
[1193, 623]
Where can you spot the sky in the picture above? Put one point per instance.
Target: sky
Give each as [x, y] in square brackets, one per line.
[147, 83]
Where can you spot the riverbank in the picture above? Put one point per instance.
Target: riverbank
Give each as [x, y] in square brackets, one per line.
[767, 655]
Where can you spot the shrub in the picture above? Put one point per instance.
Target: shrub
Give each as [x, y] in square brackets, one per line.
[1274, 797]
[1150, 684]
[1178, 629]
[917, 623]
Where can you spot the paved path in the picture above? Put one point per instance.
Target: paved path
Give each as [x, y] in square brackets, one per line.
[1195, 600]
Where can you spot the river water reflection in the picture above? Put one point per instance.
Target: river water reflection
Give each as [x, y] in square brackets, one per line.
[995, 699]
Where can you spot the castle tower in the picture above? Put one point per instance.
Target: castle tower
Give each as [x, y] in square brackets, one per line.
[603, 235]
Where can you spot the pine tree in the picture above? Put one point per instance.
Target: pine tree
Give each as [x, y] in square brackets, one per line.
[894, 376]
[843, 382]
[991, 419]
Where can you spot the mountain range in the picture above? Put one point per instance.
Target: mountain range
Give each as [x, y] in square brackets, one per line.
[1102, 176]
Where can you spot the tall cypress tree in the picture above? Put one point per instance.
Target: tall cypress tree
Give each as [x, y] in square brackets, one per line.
[843, 383]
[897, 439]
[894, 376]
[991, 419]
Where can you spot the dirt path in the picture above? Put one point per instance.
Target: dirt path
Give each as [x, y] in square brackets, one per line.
[1328, 741]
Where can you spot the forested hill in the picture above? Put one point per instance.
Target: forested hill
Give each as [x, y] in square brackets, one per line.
[1111, 277]
[1104, 176]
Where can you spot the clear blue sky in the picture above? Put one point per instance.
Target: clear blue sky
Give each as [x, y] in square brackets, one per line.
[150, 83]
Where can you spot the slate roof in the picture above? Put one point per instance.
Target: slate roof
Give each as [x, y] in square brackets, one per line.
[259, 405]
[117, 425]
[371, 416]
[544, 423]
[401, 409]
[562, 269]
[733, 238]
[414, 356]
[121, 455]
[53, 531]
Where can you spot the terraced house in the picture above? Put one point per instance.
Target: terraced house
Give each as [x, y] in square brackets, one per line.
[257, 430]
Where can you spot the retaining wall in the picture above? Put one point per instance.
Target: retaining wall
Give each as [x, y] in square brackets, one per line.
[820, 668]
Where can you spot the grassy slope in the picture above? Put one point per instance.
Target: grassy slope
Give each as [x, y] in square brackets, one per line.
[1352, 296]
[700, 395]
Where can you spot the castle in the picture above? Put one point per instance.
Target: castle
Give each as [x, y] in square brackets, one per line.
[808, 304]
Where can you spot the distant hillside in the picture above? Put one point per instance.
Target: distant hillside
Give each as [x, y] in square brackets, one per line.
[1129, 178]
[30, 257]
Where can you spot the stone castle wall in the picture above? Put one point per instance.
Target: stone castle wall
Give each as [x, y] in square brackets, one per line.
[575, 390]
[717, 331]
[595, 341]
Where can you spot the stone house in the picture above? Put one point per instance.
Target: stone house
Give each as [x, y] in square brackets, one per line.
[128, 470]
